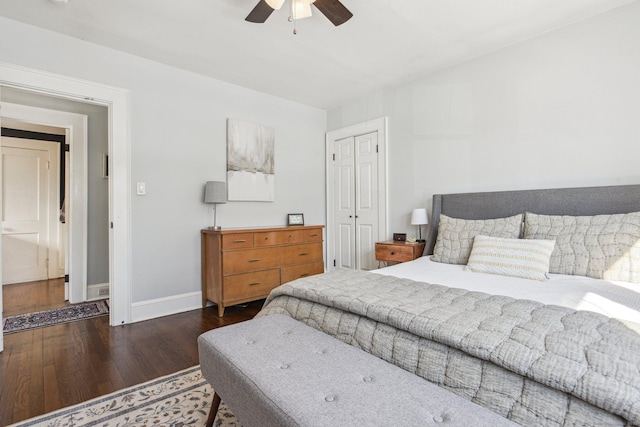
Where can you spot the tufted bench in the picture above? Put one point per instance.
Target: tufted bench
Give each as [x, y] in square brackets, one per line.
[276, 371]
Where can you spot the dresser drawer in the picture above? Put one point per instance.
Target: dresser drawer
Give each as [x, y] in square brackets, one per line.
[234, 262]
[237, 241]
[301, 254]
[303, 270]
[248, 285]
[302, 236]
[395, 253]
[268, 238]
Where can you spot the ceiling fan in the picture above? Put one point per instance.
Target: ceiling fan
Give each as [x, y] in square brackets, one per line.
[332, 9]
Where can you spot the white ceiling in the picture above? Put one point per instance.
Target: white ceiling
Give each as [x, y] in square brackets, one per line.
[387, 42]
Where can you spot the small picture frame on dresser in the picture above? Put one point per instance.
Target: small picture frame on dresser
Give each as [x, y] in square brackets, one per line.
[295, 219]
[399, 237]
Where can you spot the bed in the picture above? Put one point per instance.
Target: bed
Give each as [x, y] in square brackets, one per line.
[539, 348]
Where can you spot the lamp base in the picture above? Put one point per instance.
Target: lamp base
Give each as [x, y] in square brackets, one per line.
[215, 227]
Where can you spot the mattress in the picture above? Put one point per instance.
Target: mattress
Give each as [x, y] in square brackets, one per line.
[620, 300]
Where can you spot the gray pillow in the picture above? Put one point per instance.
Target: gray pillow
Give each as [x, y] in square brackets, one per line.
[455, 235]
[601, 246]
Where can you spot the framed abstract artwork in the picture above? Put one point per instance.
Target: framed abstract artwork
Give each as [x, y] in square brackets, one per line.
[250, 162]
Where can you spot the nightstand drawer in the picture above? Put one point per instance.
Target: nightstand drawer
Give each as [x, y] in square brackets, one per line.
[394, 253]
[250, 284]
[304, 270]
[398, 251]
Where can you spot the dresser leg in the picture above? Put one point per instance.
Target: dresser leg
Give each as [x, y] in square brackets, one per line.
[220, 310]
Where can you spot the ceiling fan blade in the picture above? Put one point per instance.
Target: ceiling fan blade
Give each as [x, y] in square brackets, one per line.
[334, 11]
[260, 13]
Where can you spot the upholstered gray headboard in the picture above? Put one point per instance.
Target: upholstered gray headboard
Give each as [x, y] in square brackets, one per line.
[557, 201]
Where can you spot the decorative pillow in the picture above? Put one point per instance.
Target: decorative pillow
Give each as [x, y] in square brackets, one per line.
[455, 236]
[601, 246]
[527, 259]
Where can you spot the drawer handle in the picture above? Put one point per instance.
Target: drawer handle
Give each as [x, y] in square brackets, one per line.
[313, 235]
[290, 236]
[304, 274]
[239, 241]
[254, 284]
[393, 253]
[266, 238]
[253, 260]
[303, 254]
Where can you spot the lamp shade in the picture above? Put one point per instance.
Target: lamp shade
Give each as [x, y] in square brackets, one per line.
[419, 217]
[215, 192]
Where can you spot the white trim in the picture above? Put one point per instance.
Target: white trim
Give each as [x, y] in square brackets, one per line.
[93, 291]
[118, 103]
[376, 125]
[166, 306]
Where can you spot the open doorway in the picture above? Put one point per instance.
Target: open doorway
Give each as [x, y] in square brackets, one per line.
[75, 197]
[117, 102]
[88, 210]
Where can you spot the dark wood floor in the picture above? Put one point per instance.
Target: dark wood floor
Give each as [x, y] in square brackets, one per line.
[22, 298]
[50, 368]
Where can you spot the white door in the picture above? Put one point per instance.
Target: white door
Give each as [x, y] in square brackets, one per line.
[366, 195]
[26, 209]
[356, 206]
[344, 202]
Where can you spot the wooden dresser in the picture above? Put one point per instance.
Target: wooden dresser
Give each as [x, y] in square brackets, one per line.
[245, 264]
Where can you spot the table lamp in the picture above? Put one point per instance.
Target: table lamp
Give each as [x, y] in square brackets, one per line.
[215, 192]
[419, 218]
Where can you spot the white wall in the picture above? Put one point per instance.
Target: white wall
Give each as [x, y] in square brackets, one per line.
[178, 143]
[558, 110]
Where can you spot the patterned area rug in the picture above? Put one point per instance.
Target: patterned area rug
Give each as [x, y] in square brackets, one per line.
[180, 399]
[40, 319]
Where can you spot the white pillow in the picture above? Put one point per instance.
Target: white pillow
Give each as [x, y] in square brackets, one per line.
[527, 259]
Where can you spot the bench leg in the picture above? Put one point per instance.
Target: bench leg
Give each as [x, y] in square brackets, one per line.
[214, 409]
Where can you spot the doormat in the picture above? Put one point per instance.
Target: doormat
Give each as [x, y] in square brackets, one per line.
[40, 319]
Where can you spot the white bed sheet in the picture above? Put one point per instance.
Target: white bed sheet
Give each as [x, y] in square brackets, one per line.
[620, 300]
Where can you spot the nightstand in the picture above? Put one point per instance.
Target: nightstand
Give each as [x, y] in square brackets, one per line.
[398, 251]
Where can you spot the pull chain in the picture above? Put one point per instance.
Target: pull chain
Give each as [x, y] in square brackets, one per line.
[293, 17]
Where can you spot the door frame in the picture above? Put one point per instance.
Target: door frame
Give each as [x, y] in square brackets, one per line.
[76, 126]
[378, 125]
[118, 103]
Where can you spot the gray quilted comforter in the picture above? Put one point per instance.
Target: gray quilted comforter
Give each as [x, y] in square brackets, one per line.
[535, 364]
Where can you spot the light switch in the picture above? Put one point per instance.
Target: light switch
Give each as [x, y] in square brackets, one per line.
[141, 188]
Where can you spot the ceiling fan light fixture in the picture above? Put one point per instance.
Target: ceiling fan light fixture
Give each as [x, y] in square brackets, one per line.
[300, 9]
[275, 4]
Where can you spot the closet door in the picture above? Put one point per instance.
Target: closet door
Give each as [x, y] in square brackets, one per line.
[344, 202]
[366, 200]
[356, 201]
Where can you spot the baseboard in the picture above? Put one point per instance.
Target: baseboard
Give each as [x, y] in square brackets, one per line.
[152, 309]
[97, 291]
